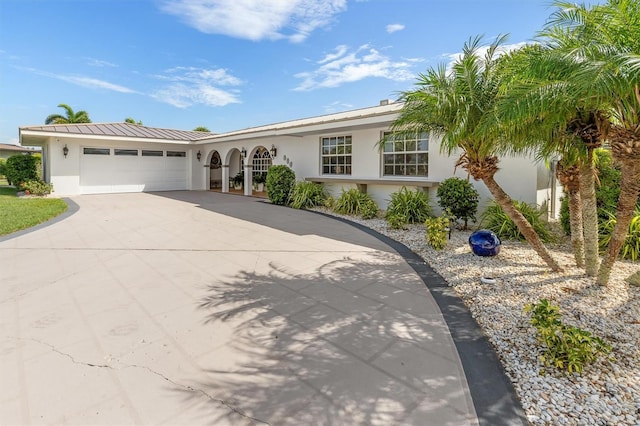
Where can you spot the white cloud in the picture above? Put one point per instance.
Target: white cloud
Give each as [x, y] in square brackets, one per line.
[88, 82]
[190, 86]
[94, 83]
[256, 19]
[99, 63]
[506, 48]
[343, 66]
[392, 28]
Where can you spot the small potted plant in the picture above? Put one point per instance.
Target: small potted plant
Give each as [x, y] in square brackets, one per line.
[238, 180]
[258, 182]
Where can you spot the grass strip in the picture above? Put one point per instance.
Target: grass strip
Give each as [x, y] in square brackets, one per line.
[17, 213]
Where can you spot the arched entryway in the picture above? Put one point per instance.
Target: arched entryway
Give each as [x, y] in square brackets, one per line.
[260, 163]
[215, 169]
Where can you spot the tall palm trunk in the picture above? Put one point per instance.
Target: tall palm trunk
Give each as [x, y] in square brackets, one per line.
[485, 170]
[625, 146]
[569, 177]
[589, 215]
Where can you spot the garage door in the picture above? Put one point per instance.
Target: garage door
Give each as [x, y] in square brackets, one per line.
[106, 170]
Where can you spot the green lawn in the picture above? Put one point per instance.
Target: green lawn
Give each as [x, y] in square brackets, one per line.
[21, 213]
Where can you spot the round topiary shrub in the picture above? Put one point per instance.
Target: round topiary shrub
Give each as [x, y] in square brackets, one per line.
[21, 168]
[460, 198]
[280, 182]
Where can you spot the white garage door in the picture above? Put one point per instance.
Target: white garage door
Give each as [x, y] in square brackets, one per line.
[106, 170]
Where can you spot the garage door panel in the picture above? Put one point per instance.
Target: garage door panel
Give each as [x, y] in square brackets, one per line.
[120, 173]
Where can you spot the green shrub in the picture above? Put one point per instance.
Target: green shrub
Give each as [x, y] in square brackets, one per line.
[36, 187]
[631, 246]
[259, 178]
[438, 231]
[412, 205]
[460, 198]
[329, 202]
[238, 179]
[356, 203]
[280, 182]
[307, 194]
[3, 165]
[21, 168]
[565, 347]
[496, 220]
[396, 220]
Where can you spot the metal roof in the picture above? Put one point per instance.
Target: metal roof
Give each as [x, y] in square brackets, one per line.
[369, 112]
[120, 129]
[18, 148]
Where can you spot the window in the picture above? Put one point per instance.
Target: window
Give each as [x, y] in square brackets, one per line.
[130, 152]
[261, 161]
[405, 155]
[176, 154]
[96, 151]
[151, 153]
[336, 155]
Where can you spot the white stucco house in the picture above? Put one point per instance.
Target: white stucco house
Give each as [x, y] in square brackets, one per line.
[339, 150]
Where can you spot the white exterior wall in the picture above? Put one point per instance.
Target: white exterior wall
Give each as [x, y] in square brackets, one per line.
[518, 176]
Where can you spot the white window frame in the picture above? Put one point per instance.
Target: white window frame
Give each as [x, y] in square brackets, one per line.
[336, 155]
[404, 156]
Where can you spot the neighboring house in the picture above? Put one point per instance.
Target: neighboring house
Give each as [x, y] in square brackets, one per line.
[7, 150]
[340, 150]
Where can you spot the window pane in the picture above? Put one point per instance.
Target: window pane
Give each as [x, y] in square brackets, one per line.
[423, 158]
[388, 146]
[96, 151]
[133, 152]
[340, 149]
[423, 170]
[348, 170]
[398, 146]
[151, 153]
[347, 159]
[411, 145]
[388, 170]
[387, 159]
[176, 154]
[411, 158]
[326, 160]
[423, 145]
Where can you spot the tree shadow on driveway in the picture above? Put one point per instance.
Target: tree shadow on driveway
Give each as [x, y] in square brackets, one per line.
[340, 345]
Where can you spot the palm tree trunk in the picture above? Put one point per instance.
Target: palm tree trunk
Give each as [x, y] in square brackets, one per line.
[589, 215]
[577, 229]
[569, 177]
[629, 192]
[525, 228]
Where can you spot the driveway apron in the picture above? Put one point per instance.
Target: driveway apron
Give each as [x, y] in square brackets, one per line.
[207, 308]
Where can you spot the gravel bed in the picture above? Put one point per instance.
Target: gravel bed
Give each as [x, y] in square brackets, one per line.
[607, 392]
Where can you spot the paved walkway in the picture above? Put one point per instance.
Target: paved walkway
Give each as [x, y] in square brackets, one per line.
[204, 308]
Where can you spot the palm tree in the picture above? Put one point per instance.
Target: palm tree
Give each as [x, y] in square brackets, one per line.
[201, 129]
[72, 117]
[458, 103]
[610, 73]
[538, 109]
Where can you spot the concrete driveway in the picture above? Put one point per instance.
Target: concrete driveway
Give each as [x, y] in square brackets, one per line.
[204, 308]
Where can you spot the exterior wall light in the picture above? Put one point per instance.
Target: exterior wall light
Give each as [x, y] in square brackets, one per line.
[243, 152]
[199, 155]
[65, 151]
[273, 151]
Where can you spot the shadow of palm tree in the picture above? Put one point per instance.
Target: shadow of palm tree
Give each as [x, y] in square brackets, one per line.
[340, 345]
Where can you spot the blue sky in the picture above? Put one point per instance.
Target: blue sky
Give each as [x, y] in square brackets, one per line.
[231, 64]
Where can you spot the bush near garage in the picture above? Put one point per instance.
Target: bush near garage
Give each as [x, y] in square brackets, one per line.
[21, 168]
[280, 181]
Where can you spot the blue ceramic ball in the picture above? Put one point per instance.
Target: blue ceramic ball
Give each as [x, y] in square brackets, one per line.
[484, 243]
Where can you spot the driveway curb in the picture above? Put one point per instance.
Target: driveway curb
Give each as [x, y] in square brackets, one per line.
[493, 394]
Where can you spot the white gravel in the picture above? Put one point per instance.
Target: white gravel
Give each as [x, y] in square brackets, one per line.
[607, 392]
